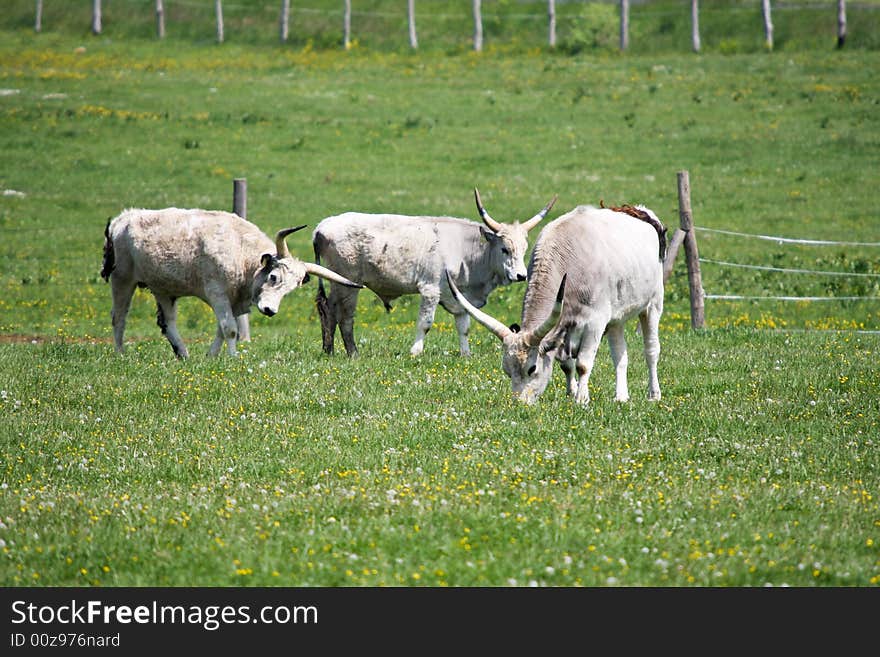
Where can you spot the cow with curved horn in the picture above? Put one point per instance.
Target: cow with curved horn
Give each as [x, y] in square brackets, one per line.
[222, 259]
[592, 269]
[394, 255]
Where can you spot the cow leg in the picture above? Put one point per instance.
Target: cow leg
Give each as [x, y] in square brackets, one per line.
[620, 358]
[166, 318]
[343, 304]
[122, 292]
[649, 320]
[462, 325]
[327, 313]
[586, 357]
[227, 327]
[427, 308]
[244, 327]
[568, 368]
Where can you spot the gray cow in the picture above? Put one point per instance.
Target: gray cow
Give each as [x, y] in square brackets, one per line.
[394, 255]
[591, 270]
[222, 259]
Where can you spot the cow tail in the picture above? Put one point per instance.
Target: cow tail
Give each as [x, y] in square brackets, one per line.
[109, 263]
[323, 304]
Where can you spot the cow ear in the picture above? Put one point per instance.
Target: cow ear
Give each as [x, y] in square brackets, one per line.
[305, 279]
[514, 327]
[488, 235]
[266, 259]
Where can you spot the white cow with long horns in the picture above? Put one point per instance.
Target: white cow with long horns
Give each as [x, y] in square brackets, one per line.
[394, 255]
[222, 259]
[591, 270]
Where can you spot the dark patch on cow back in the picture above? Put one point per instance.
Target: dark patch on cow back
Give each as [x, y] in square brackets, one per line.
[633, 211]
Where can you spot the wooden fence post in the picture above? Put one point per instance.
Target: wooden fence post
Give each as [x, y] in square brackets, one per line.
[691, 254]
[551, 15]
[841, 23]
[624, 24]
[218, 9]
[411, 20]
[239, 197]
[768, 24]
[478, 26]
[38, 20]
[695, 25]
[346, 24]
[672, 252]
[284, 20]
[160, 19]
[96, 16]
[239, 207]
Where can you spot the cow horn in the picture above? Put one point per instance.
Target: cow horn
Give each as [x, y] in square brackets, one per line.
[329, 274]
[534, 338]
[534, 221]
[488, 321]
[489, 221]
[281, 245]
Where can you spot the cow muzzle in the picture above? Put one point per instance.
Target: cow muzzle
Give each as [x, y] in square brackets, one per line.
[527, 396]
[268, 312]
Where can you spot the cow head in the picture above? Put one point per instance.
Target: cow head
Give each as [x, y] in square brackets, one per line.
[527, 358]
[509, 242]
[281, 273]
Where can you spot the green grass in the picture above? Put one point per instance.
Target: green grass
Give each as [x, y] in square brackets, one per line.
[288, 467]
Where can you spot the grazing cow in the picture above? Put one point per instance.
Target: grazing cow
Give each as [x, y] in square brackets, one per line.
[591, 270]
[222, 259]
[394, 255]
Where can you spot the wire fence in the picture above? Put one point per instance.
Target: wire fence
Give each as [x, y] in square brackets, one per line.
[382, 23]
[788, 270]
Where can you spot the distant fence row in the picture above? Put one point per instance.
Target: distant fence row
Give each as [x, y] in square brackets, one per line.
[285, 9]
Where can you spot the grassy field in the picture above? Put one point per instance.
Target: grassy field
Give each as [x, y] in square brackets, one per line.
[288, 467]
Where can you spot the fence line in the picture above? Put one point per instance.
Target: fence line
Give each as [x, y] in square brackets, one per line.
[789, 240]
[847, 331]
[787, 270]
[737, 297]
[685, 235]
[548, 15]
[645, 8]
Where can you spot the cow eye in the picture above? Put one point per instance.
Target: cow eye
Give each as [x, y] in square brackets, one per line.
[532, 369]
[273, 279]
[505, 250]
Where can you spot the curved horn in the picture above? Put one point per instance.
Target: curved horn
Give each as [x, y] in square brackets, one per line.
[534, 337]
[329, 274]
[281, 245]
[488, 321]
[493, 225]
[531, 223]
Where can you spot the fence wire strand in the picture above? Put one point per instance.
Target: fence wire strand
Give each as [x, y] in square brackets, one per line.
[785, 240]
[788, 270]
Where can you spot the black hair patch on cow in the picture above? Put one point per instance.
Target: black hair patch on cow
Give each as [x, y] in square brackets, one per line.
[109, 263]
